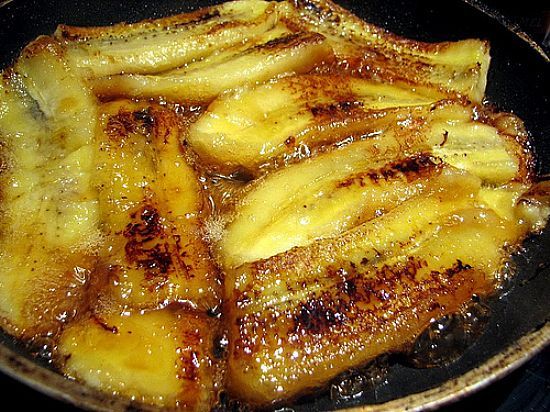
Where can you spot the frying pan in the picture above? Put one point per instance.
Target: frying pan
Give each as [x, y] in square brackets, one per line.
[518, 82]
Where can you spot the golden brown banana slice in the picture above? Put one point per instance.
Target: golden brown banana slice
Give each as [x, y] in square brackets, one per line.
[203, 81]
[244, 131]
[320, 198]
[308, 112]
[371, 52]
[390, 235]
[49, 235]
[150, 206]
[349, 313]
[159, 45]
[163, 357]
[253, 125]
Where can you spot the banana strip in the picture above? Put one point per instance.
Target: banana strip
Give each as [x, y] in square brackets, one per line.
[204, 80]
[161, 357]
[321, 198]
[150, 210]
[287, 346]
[251, 125]
[390, 234]
[368, 51]
[159, 45]
[308, 112]
[49, 208]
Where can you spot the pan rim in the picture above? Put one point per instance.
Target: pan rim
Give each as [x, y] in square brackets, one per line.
[53, 384]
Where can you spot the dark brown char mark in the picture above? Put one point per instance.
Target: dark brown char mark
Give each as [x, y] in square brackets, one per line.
[409, 169]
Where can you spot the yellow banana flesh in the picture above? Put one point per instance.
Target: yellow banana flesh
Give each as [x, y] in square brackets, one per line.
[320, 198]
[377, 193]
[50, 213]
[389, 235]
[161, 357]
[292, 118]
[165, 44]
[254, 125]
[368, 51]
[206, 79]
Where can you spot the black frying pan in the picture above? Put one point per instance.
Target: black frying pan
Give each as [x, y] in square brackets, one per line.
[518, 82]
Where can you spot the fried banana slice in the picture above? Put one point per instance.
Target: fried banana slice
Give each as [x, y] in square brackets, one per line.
[151, 207]
[307, 328]
[371, 52]
[322, 198]
[252, 125]
[163, 44]
[49, 235]
[204, 80]
[162, 357]
[392, 234]
[292, 118]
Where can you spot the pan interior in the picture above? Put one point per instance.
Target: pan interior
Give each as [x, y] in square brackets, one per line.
[515, 78]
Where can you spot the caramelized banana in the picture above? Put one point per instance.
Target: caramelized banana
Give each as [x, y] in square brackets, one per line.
[289, 119]
[333, 191]
[320, 198]
[49, 209]
[370, 52]
[159, 45]
[162, 357]
[392, 234]
[348, 313]
[252, 125]
[150, 206]
[204, 80]
[377, 194]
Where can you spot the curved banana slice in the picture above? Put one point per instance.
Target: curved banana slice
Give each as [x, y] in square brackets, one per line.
[392, 235]
[253, 125]
[164, 44]
[49, 237]
[295, 117]
[203, 81]
[321, 198]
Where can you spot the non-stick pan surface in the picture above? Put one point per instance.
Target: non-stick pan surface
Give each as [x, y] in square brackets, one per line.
[518, 82]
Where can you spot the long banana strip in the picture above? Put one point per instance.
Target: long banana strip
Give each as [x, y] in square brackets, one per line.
[293, 53]
[252, 125]
[321, 198]
[287, 347]
[369, 51]
[150, 206]
[240, 130]
[49, 209]
[161, 45]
